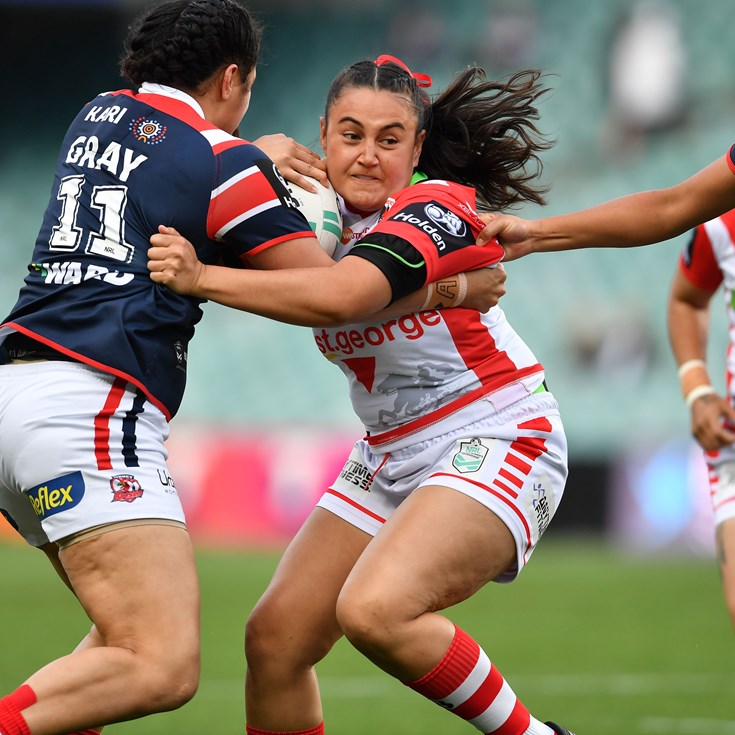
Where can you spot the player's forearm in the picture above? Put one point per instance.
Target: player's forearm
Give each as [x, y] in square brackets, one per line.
[309, 297]
[637, 219]
[282, 295]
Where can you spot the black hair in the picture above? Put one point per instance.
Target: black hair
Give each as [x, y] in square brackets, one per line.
[182, 43]
[479, 133]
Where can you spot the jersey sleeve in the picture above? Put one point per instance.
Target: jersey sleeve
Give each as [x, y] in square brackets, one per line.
[251, 208]
[698, 262]
[429, 233]
[731, 157]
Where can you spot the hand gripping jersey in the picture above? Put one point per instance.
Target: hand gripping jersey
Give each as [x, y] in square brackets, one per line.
[129, 163]
[708, 260]
[414, 373]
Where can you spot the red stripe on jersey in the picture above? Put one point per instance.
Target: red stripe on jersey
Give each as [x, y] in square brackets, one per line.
[517, 481]
[731, 158]
[481, 485]
[176, 108]
[362, 508]
[478, 349]
[238, 199]
[218, 148]
[531, 446]
[502, 486]
[539, 424]
[723, 503]
[518, 463]
[441, 413]
[102, 425]
[264, 246]
[698, 263]
[518, 721]
[483, 698]
[92, 363]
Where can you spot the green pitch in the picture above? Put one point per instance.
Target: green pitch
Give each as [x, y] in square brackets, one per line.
[600, 642]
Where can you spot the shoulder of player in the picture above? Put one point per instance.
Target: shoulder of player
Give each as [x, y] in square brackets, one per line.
[457, 198]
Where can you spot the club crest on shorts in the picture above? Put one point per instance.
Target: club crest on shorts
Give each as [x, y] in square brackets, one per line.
[125, 489]
[470, 456]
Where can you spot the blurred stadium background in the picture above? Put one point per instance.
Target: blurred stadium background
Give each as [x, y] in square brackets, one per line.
[266, 422]
[262, 403]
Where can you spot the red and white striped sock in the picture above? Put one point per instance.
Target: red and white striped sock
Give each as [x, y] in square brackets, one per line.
[467, 684]
[12, 721]
[318, 730]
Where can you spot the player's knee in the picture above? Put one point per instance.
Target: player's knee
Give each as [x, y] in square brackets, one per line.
[171, 685]
[368, 621]
[271, 628]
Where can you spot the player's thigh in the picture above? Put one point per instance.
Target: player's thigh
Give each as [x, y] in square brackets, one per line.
[138, 585]
[437, 549]
[300, 600]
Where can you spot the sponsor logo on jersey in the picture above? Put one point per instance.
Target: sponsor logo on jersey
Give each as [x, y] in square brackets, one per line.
[356, 474]
[541, 507]
[147, 130]
[447, 220]
[470, 456]
[125, 489]
[181, 355]
[57, 495]
[279, 184]
[167, 481]
[445, 229]
[348, 341]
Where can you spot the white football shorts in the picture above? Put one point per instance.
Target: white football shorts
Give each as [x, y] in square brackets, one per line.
[514, 462]
[79, 449]
[721, 470]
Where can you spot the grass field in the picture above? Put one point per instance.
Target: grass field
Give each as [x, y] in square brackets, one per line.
[603, 643]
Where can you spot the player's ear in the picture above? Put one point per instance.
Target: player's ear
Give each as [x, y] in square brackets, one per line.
[323, 133]
[417, 147]
[227, 80]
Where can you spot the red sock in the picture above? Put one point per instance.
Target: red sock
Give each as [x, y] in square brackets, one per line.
[467, 684]
[87, 732]
[12, 721]
[318, 730]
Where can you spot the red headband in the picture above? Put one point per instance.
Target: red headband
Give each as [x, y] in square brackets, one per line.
[423, 80]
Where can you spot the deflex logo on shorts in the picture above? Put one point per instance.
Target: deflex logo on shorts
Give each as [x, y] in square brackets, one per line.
[57, 495]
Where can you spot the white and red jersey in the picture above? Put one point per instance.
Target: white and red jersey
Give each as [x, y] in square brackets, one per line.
[708, 261]
[420, 374]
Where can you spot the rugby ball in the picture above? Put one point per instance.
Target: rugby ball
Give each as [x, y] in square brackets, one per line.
[321, 210]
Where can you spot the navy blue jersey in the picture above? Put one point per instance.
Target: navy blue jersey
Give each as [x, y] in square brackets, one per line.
[129, 163]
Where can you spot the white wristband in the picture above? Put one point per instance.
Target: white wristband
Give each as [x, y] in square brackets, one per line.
[429, 296]
[461, 289]
[698, 392]
[685, 367]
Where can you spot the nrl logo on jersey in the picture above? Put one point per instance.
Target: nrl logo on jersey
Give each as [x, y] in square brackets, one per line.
[470, 456]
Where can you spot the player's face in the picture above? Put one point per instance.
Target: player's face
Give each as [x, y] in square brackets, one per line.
[371, 143]
[240, 100]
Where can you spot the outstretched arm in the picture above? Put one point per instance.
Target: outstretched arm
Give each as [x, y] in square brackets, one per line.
[636, 219]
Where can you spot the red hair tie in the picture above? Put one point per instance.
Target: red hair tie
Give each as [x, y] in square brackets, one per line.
[423, 80]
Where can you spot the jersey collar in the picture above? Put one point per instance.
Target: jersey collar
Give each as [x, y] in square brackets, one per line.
[173, 93]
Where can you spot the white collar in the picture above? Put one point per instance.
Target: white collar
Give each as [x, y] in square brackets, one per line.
[177, 94]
